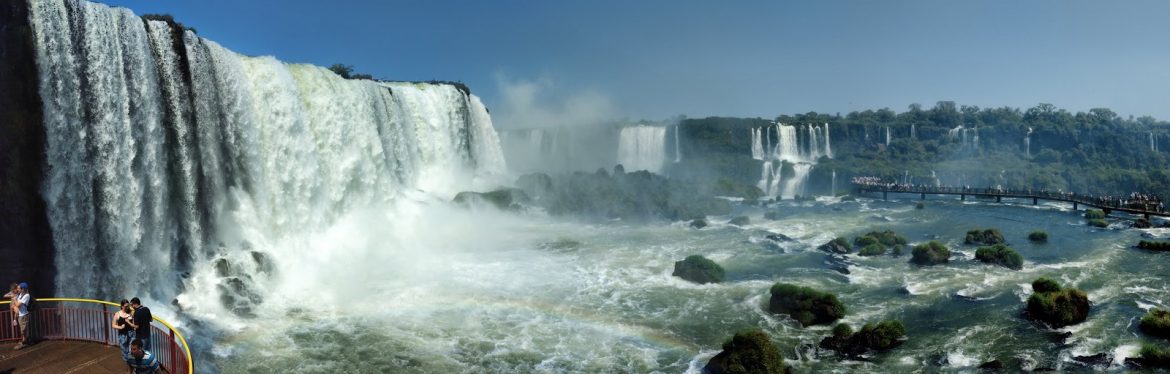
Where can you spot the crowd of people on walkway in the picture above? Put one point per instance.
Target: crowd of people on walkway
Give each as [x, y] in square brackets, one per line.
[1136, 200]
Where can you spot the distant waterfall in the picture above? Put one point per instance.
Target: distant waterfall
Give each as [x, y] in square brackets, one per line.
[642, 148]
[799, 146]
[960, 133]
[1028, 143]
[677, 147]
[913, 132]
[1153, 142]
[166, 157]
[887, 136]
[757, 144]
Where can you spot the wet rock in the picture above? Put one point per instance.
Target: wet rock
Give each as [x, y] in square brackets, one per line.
[772, 216]
[778, 237]
[995, 364]
[503, 199]
[223, 268]
[698, 269]
[740, 221]
[1100, 359]
[748, 352]
[698, 223]
[264, 262]
[838, 245]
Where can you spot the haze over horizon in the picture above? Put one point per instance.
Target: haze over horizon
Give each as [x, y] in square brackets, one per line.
[535, 62]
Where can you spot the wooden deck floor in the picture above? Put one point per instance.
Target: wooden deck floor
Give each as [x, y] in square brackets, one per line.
[62, 357]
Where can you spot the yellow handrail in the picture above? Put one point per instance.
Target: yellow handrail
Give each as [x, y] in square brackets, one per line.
[186, 349]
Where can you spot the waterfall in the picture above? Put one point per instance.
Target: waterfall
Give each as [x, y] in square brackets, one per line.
[768, 140]
[1028, 143]
[642, 148]
[887, 136]
[913, 132]
[1153, 142]
[165, 156]
[787, 147]
[834, 190]
[757, 145]
[796, 145]
[828, 143]
[677, 147]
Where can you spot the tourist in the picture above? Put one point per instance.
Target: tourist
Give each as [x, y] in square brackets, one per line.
[21, 302]
[11, 296]
[124, 328]
[141, 322]
[140, 360]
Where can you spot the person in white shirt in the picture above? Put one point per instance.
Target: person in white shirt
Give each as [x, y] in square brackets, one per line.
[21, 303]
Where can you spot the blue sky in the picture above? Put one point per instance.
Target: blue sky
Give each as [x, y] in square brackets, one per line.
[542, 61]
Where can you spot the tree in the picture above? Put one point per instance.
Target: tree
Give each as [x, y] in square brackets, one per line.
[342, 70]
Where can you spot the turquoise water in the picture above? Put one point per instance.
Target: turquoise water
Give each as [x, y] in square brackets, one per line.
[488, 293]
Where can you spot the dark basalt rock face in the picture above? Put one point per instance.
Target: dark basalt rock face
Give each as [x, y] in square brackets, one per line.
[26, 245]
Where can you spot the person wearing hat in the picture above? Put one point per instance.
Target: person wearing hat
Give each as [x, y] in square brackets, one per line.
[21, 303]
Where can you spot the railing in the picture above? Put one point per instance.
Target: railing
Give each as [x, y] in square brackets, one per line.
[90, 320]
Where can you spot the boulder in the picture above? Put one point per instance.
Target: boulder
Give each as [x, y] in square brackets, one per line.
[1038, 237]
[838, 245]
[931, 253]
[988, 237]
[698, 223]
[776, 237]
[872, 337]
[1001, 255]
[1055, 306]
[698, 269]
[740, 221]
[1156, 323]
[503, 199]
[748, 352]
[995, 364]
[806, 305]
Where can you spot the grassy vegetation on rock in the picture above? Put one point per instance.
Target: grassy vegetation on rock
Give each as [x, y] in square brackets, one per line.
[931, 253]
[748, 352]
[698, 269]
[1000, 254]
[806, 305]
[1056, 306]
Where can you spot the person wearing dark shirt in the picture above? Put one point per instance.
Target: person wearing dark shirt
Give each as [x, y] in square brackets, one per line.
[141, 322]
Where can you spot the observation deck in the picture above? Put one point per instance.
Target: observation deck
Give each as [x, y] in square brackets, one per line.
[75, 336]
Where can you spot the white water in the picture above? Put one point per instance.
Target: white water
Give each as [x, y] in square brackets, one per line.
[794, 147]
[151, 179]
[757, 145]
[677, 144]
[1028, 143]
[1153, 142]
[642, 148]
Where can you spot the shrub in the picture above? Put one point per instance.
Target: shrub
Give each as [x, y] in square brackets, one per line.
[1098, 223]
[806, 305]
[698, 269]
[887, 238]
[1059, 307]
[1045, 285]
[872, 250]
[882, 336]
[1154, 246]
[1154, 356]
[748, 352]
[930, 254]
[1000, 254]
[919, 206]
[1094, 214]
[1038, 236]
[863, 241]
[989, 237]
[1157, 323]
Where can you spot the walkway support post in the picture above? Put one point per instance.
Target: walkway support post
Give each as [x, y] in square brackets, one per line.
[885, 195]
[962, 197]
[999, 199]
[1034, 201]
[924, 196]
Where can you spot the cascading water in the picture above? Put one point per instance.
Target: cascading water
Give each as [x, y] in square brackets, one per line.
[913, 132]
[888, 136]
[757, 145]
[1028, 143]
[796, 149]
[1153, 142]
[677, 144]
[642, 148]
[175, 173]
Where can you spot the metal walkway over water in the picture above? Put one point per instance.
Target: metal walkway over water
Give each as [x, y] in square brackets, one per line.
[1106, 204]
